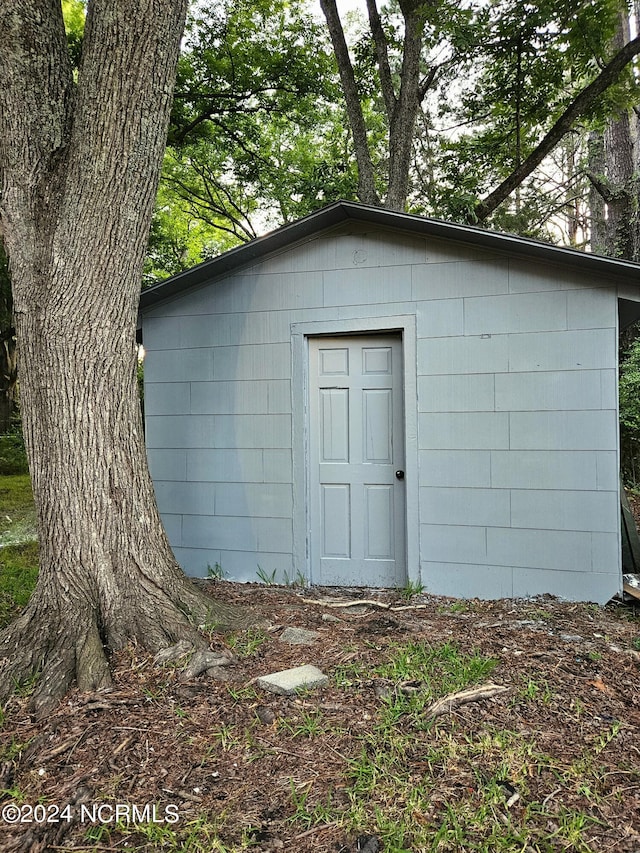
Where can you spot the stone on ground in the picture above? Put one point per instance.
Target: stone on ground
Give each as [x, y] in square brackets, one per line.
[288, 681]
[298, 636]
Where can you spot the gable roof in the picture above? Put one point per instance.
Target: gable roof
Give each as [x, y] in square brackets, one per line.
[344, 211]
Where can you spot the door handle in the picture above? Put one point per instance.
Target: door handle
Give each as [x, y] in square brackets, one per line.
[400, 475]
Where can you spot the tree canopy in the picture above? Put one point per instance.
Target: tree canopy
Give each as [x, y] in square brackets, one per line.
[470, 111]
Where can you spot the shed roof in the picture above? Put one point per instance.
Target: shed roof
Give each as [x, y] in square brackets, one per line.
[345, 211]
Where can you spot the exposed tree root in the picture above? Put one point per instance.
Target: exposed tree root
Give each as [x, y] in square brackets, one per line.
[60, 646]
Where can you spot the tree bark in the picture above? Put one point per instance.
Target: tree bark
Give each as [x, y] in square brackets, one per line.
[402, 122]
[80, 166]
[597, 211]
[367, 192]
[618, 182]
[401, 109]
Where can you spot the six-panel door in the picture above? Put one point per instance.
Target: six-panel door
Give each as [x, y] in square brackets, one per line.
[356, 461]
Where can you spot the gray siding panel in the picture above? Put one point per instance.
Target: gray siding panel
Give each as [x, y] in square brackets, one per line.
[474, 507]
[219, 431]
[527, 312]
[607, 470]
[180, 365]
[605, 551]
[186, 498]
[476, 354]
[451, 280]
[471, 468]
[440, 318]
[348, 251]
[279, 396]
[225, 465]
[196, 562]
[278, 466]
[457, 393]
[261, 500]
[167, 464]
[591, 309]
[260, 361]
[545, 549]
[275, 534]
[445, 543]
[554, 390]
[244, 566]
[222, 533]
[225, 398]
[589, 349]
[595, 430]
[173, 528]
[564, 510]
[594, 587]
[162, 333]
[525, 276]
[463, 430]
[467, 580]
[544, 469]
[167, 398]
[609, 385]
[367, 286]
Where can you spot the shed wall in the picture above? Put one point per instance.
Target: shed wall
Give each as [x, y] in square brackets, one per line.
[516, 413]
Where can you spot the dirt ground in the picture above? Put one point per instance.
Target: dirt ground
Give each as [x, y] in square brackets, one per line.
[224, 757]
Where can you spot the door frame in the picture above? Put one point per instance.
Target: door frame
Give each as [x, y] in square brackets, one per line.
[405, 325]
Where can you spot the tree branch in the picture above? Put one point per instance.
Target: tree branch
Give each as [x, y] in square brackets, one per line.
[382, 55]
[563, 125]
[366, 179]
[402, 124]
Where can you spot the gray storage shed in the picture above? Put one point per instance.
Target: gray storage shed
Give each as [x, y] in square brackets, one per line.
[366, 397]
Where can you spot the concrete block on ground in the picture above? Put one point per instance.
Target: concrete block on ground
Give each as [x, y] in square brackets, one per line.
[298, 636]
[288, 681]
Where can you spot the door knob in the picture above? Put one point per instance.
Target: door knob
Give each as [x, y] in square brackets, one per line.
[400, 475]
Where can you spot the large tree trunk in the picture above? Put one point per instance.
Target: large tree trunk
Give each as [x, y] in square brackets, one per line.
[80, 166]
[614, 177]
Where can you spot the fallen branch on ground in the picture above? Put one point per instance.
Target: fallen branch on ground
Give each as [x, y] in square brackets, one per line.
[364, 602]
[463, 697]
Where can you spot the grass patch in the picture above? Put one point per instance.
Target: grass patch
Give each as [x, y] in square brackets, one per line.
[13, 458]
[18, 575]
[17, 513]
[18, 545]
[438, 785]
[442, 669]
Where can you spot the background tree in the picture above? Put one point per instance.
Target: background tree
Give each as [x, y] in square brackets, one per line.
[483, 94]
[257, 135]
[79, 164]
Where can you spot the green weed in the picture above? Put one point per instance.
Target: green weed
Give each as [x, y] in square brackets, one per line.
[247, 643]
[297, 582]
[307, 724]
[461, 606]
[410, 589]
[268, 578]
[216, 572]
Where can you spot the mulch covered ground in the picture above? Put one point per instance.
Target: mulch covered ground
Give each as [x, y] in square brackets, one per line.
[232, 763]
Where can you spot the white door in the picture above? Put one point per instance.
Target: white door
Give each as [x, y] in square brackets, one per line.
[356, 461]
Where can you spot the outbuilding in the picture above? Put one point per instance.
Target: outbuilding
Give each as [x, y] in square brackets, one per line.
[370, 398]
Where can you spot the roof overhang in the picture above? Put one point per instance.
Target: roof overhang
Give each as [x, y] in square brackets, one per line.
[344, 211]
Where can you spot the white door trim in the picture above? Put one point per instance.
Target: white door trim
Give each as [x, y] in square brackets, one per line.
[300, 332]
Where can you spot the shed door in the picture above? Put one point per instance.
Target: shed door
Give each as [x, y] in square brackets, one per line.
[356, 461]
